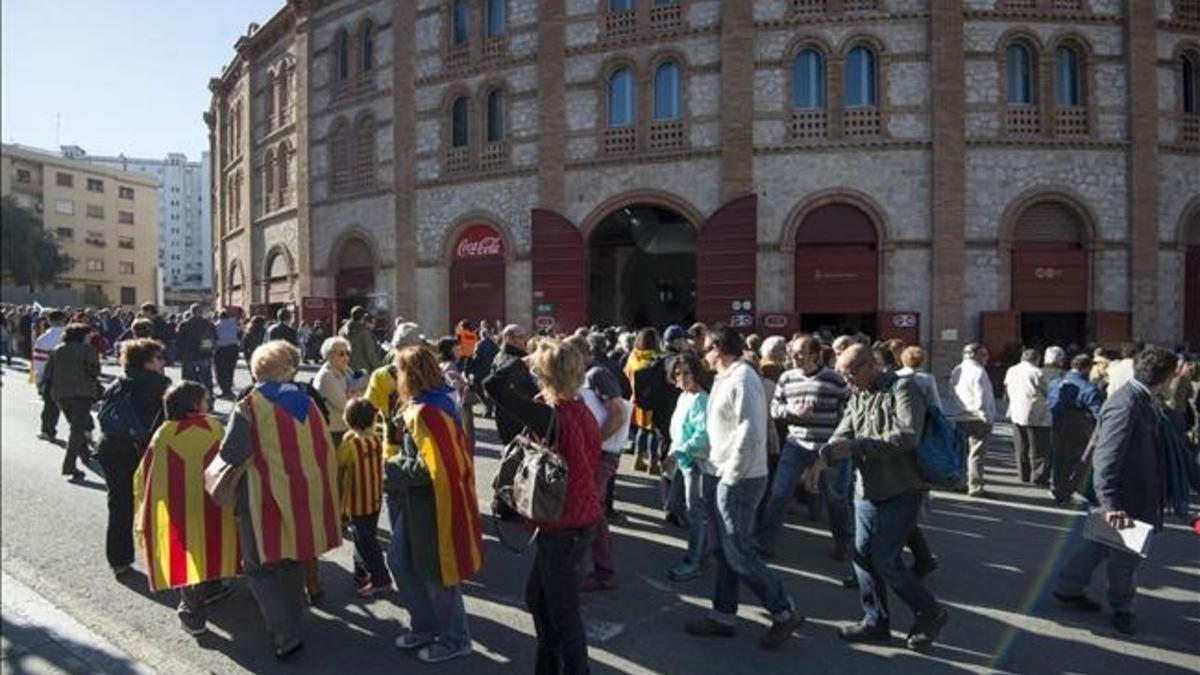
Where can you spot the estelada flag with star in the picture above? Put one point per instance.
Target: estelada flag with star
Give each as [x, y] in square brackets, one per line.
[185, 537]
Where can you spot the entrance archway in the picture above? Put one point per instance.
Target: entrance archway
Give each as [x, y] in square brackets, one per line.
[355, 283]
[279, 282]
[477, 275]
[1050, 275]
[1191, 288]
[837, 271]
[642, 268]
[236, 284]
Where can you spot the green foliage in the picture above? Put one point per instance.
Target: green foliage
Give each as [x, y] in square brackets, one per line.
[28, 253]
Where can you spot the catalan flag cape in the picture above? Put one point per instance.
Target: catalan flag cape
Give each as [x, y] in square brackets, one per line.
[360, 457]
[184, 536]
[292, 480]
[441, 442]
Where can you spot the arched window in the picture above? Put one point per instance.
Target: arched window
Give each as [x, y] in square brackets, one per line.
[620, 98]
[285, 166]
[458, 123]
[281, 90]
[339, 155]
[341, 55]
[860, 77]
[459, 15]
[1190, 72]
[364, 151]
[495, 116]
[366, 47]
[666, 91]
[1020, 74]
[269, 101]
[495, 18]
[808, 80]
[268, 180]
[620, 5]
[1068, 77]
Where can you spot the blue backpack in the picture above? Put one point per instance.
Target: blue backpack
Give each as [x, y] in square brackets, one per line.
[118, 417]
[940, 454]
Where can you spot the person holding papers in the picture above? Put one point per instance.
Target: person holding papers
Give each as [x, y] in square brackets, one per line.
[1129, 462]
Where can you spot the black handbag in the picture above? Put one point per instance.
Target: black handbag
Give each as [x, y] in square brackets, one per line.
[532, 479]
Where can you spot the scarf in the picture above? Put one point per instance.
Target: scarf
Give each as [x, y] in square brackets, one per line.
[287, 395]
[441, 398]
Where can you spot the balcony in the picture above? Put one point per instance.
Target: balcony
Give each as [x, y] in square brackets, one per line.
[353, 86]
[807, 7]
[458, 159]
[620, 24]
[667, 135]
[860, 5]
[1071, 121]
[495, 47]
[1023, 120]
[861, 122]
[808, 125]
[495, 155]
[1068, 5]
[666, 17]
[620, 140]
[1189, 129]
[458, 57]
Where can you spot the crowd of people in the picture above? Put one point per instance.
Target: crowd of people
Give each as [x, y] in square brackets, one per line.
[733, 427]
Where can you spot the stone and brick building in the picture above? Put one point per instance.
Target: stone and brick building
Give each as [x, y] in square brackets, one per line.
[943, 170]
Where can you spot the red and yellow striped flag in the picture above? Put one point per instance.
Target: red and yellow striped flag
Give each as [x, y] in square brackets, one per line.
[361, 460]
[442, 445]
[292, 482]
[184, 536]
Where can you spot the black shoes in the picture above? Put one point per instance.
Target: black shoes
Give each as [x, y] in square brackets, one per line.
[850, 582]
[706, 627]
[1125, 622]
[924, 568]
[780, 631]
[1079, 602]
[926, 629]
[861, 632]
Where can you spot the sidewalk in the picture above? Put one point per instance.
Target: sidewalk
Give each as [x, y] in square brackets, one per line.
[37, 637]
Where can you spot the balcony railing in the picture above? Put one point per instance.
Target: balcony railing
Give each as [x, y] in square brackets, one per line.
[808, 6]
[620, 24]
[1023, 119]
[458, 159]
[860, 122]
[1189, 129]
[1071, 121]
[458, 57]
[808, 125]
[666, 17]
[860, 5]
[494, 47]
[667, 135]
[494, 155]
[620, 140]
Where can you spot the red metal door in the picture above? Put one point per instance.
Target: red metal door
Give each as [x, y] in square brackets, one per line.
[1111, 328]
[726, 265]
[559, 272]
[476, 290]
[903, 325]
[319, 309]
[1000, 332]
[1191, 298]
[1049, 278]
[836, 279]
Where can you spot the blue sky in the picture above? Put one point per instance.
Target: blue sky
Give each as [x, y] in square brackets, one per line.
[126, 76]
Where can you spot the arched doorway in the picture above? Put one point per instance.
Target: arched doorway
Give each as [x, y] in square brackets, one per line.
[1191, 289]
[837, 271]
[279, 282]
[642, 268]
[355, 282]
[477, 275]
[1050, 275]
[235, 285]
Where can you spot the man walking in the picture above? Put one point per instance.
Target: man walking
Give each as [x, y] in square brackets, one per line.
[1128, 468]
[283, 329]
[810, 398]
[365, 352]
[737, 427]
[1026, 386]
[880, 431]
[226, 357]
[1074, 402]
[43, 346]
[972, 404]
[195, 342]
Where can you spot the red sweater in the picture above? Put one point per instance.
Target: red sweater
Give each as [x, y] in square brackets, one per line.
[579, 445]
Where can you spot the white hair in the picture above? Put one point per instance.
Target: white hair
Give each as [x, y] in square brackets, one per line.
[510, 330]
[406, 334]
[771, 344]
[1054, 356]
[335, 341]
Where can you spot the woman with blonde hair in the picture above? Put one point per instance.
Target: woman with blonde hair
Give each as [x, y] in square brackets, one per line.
[562, 420]
[436, 541]
[288, 499]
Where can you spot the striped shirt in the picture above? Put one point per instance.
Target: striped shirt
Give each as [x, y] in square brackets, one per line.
[825, 391]
[360, 457]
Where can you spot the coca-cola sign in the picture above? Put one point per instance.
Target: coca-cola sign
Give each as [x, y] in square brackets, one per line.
[479, 242]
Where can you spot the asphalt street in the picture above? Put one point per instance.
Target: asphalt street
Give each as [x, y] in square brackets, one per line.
[996, 559]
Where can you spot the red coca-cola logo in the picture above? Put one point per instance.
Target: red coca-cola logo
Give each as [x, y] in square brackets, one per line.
[479, 241]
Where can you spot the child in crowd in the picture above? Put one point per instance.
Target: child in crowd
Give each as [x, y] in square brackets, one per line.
[187, 543]
[360, 457]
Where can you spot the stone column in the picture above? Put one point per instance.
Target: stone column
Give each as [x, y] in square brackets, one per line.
[304, 266]
[737, 85]
[404, 135]
[948, 200]
[1140, 38]
[552, 94]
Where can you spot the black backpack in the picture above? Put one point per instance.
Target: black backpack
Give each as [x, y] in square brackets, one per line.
[118, 416]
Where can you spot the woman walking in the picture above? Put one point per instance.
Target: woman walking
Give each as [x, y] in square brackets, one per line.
[436, 542]
[689, 448]
[563, 420]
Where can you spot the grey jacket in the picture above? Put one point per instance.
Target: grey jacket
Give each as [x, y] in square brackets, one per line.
[884, 427]
[365, 352]
[73, 371]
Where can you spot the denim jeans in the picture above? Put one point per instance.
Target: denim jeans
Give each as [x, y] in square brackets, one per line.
[695, 484]
[1074, 576]
[200, 371]
[793, 462]
[882, 528]
[433, 609]
[552, 597]
[732, 508]
[645, 445]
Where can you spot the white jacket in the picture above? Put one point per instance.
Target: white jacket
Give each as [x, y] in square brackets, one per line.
[1026, 387]
[737, 424]
[971, 395]
[42, 347]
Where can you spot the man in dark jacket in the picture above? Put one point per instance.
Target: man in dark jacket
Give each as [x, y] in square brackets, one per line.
[480, 367]
[195, 342]
[1127, 461]
[282, 329]
[365, 353]
[512, 349]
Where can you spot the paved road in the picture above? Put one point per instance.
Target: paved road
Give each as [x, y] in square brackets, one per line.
[995, 557]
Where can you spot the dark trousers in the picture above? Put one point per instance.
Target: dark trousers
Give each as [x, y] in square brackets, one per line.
[552, 596]
[1072, 430]
[78, 411]
[226, 362]
[200, 370]
[50, 413]
[1032, 447]
[367, 550]
[921, 553]
[119, 459]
